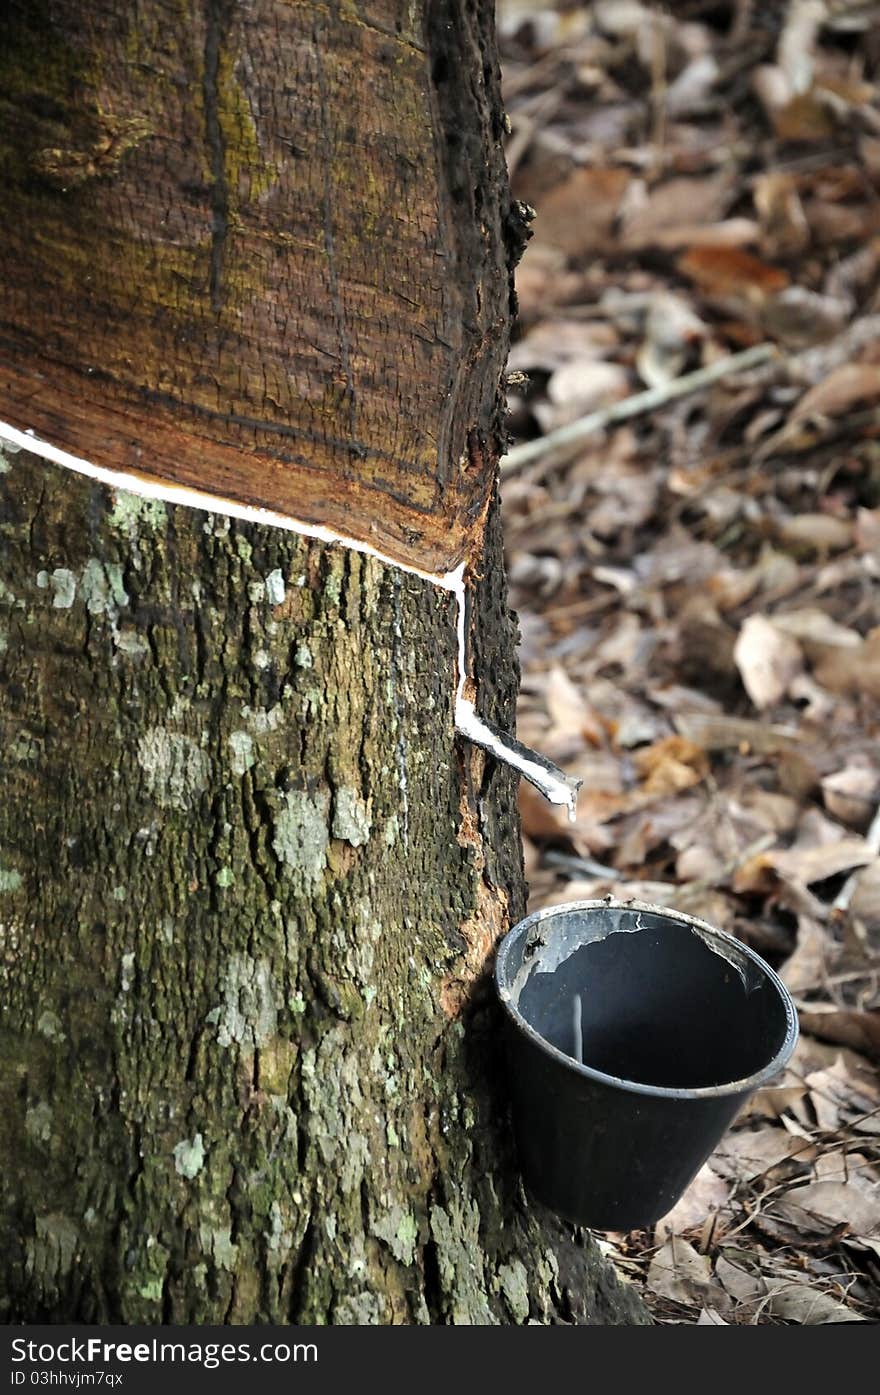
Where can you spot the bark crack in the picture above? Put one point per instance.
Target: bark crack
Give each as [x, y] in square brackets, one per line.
[300, 1272]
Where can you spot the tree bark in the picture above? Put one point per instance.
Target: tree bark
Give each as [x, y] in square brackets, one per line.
[249, 889]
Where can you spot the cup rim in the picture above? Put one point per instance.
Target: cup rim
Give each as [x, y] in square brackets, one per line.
[745, 1086]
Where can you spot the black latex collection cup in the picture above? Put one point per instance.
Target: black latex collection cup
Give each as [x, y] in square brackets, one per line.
[635, 1035]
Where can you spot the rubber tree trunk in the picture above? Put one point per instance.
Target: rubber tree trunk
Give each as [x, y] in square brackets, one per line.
[249, 887]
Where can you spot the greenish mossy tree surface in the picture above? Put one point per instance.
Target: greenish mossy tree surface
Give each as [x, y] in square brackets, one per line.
[250, 882]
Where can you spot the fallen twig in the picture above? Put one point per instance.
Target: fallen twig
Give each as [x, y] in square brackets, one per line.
[580, 866]
[566, 438]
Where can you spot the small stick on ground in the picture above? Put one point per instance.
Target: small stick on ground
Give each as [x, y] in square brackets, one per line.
[568, 438]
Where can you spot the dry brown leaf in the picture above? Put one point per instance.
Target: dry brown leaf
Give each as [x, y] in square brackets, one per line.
[809, 865]
[805, 969]
[815, 629]
[851, 794]
[855, 670]
[589, 833]
[578, 215]
[853, 275]
[732, 587]
[772, 1101]
[551, 27]
[744, 1287]
[841, 1095]
[777, 572]
[671, 330]
[723, 834]
[678, 557]
[815, 532]
[720, 733]
[753, 877]
[749, 1153]
[539, 819]
[777, 813]
[843, 389]
[816, 830]
[573, 720]
[726, 271]
[694, 898]
[857, 1028]
[706, 641]
[604, 793]
[675, 205]
[542, 280]
[798, 1303]
[555, 342]
[840, 1165]
[678, 1272]
[707, 1194]
[799, 317]
[784, 228]
[767, 660]
[622, 644]
[805, 117]
[854, 1204]
[699, 863]
[865, 902]
[677, 697]
[581, 386]
[833, 223]
[691, 88]
[660, 821]
[867, 530]
[623, 18]
[627, 496]
[671, 764]
[730, 232]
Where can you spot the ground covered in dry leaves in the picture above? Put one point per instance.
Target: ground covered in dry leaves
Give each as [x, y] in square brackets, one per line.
[698, 585]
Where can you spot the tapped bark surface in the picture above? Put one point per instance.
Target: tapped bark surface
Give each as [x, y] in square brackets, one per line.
[261, 251]
[250, 885]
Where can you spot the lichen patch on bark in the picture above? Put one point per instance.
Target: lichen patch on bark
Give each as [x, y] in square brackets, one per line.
[248, 1015]
[301, 836]
[189, 1156]
[175, 768]
[351, 816]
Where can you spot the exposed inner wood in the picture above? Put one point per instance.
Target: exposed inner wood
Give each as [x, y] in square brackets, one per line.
[210, 277]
